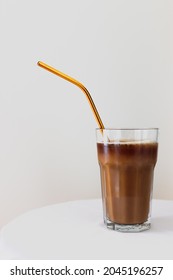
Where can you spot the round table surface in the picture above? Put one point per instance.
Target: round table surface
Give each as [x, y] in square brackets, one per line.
[75, 230]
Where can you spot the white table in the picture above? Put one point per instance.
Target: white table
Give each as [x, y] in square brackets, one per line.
[75, 230]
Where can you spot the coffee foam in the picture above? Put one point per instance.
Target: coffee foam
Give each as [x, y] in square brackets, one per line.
[126, 141]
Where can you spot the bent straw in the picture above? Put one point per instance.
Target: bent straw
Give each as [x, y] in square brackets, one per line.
[81, 86]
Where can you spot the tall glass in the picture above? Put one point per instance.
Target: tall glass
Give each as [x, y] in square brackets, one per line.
[127, 158]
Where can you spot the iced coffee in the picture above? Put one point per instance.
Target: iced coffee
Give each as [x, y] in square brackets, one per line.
[127, 159]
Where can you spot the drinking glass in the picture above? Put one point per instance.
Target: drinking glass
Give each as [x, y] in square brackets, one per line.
[127, 158]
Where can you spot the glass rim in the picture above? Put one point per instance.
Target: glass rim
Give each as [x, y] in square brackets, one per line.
[126, 129]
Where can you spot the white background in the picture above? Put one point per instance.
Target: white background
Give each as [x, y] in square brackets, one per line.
[121, 51]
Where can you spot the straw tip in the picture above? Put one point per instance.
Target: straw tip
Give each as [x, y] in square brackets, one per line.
[38, 63]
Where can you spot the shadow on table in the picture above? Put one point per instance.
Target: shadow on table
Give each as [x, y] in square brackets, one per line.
[162, 224]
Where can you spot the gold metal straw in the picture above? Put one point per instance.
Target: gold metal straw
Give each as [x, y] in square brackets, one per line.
[81, 86]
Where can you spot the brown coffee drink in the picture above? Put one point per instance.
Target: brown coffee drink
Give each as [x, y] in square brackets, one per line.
[127, 170]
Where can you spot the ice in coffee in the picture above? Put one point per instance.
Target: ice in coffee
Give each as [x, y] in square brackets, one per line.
[127, 158]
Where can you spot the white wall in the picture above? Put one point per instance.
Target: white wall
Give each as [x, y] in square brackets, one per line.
[121, 51]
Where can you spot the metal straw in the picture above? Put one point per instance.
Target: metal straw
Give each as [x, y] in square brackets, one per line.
[81, 86]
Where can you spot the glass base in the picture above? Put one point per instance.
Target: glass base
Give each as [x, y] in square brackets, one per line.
[128, 228]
